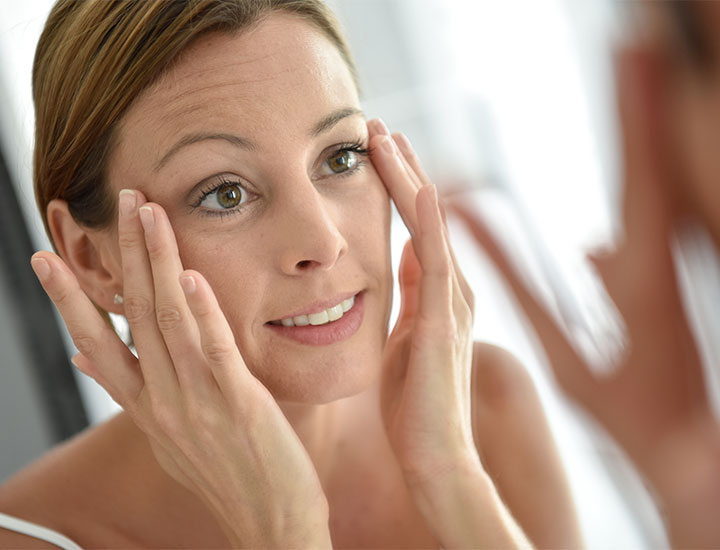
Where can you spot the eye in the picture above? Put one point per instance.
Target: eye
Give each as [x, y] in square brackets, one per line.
[225, 196]
[344, 160]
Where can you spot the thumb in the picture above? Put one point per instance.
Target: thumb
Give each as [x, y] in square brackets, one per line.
[410, 275]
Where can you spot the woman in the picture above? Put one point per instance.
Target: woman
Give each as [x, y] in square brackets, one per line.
[267, 406]
[656, 403]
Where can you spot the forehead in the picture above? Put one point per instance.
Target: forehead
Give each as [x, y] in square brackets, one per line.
[283, 74]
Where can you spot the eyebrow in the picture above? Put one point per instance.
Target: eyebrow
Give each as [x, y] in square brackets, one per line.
[332, 119]
[321, 127]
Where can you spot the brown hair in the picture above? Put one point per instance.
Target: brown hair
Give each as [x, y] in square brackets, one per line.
[95, 57]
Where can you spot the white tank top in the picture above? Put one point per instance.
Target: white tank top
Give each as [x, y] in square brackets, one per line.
[37, 531]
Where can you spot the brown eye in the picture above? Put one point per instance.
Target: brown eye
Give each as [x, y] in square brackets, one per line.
[225, 197]
[342, 161]
[229, 195]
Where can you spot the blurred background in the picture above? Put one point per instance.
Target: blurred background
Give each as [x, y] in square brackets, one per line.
[513, 99]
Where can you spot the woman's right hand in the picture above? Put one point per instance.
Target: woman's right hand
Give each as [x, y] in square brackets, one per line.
[212, 425]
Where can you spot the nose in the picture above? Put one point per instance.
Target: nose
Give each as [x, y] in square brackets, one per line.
[310, 239]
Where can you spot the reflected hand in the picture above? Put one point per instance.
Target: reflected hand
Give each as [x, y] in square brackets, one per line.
[655, 403]
[210, 423]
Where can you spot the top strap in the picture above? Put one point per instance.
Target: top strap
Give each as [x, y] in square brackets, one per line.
[37, 531]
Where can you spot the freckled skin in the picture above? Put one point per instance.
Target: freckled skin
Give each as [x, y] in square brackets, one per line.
[271, 86]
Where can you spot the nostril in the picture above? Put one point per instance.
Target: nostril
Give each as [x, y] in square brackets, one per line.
[303, 264]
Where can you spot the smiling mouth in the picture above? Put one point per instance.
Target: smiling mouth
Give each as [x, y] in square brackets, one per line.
[323, 317]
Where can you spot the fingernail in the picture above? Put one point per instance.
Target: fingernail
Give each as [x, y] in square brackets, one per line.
[41, 268]
[74, 360]
[128, 201]
[381, 128]
[147, 218]
[404, 142]
[187, 282]
[387, 145]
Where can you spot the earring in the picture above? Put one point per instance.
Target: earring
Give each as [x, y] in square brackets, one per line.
[118, 299]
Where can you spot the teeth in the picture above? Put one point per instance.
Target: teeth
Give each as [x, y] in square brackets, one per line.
[334, 313]
[327, 316]
[300, 321]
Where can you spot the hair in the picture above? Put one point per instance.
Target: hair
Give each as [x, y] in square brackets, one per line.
[95, 57]
[692, 33]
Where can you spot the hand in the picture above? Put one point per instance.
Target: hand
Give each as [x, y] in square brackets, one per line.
[427, 367]
[427, 362]
[211, 424]
[655, 403]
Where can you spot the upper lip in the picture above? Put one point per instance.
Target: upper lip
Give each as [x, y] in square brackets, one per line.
[321, 305]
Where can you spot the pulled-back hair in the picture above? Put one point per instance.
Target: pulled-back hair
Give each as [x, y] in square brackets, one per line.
[95, 57]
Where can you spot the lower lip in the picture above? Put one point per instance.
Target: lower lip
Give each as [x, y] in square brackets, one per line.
[329, 333]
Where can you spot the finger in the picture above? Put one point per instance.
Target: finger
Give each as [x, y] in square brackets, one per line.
[410, 275]
[413, 164]
[435, 305]
[139, 296]
[645, 210]
[571, 372]
[376, 127]
[172, 313]
[216, 337]
[411, 158]
[88, 368]
[91, 334]
[400, 184]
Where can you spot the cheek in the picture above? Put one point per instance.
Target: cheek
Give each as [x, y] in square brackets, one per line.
[232, 272]
[366, 225]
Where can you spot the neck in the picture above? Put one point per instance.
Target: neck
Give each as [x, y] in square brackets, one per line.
[319, 428]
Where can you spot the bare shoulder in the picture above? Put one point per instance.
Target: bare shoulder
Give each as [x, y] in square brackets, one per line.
[515, 443]
[499, 378]
[57, 490]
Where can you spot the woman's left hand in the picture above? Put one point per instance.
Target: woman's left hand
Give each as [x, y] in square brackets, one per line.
[427, 361]
[427, 367]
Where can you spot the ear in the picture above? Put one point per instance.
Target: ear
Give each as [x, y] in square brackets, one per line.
[91, 254]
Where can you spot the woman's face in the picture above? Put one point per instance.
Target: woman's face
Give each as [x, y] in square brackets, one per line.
[250, 143]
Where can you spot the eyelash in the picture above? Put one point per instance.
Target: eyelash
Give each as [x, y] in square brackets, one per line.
[352, 146]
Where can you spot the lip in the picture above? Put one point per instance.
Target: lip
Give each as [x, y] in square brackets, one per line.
[317, 307]
[329, 333]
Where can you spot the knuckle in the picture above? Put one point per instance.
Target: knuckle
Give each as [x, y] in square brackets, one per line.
[127, 240]
[137, 307]
[61, 295]
[155, 250]
[86, 345]
[218, 353]
[169, 317]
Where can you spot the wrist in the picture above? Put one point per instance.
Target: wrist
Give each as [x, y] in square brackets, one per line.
[464, 510]
[300, 527]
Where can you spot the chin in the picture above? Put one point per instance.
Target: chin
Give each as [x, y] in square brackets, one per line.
[321, 379]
